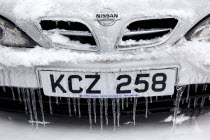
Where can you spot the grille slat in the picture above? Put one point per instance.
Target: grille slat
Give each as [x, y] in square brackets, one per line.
[147, 33]
[75, 33]
[133, 33]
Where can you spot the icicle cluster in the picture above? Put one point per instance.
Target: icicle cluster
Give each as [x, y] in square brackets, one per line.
[33, 103]
[29, 98]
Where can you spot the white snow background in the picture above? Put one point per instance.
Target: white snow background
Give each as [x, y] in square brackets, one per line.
[15, 126]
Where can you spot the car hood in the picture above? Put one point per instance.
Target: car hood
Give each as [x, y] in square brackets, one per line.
[31, 10]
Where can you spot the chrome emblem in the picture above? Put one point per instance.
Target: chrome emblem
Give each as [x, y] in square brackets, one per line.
[107, 17]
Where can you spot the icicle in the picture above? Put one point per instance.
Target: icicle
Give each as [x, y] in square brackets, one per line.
[196, 88]
[204, 88]
[57, 101]
[151, 100]
[156, 98]
[118, 112]
[4, 89]
[131, 99]
[123, 100]
[69, 106]
[114, 112]
[19, 95]
[146, 104]
[188, 92]
[13, 94]
[127, 102]
[101, 113]
[180, 91]
[94, 110]
[134, 110]
[182, 102]
[50, 106]
[41, 106]
[174, 102]
[203, 101]
[56, 22]
[34, 106]
[9, 81]
[75, 106]
[25, 103]
[195, 102]
[106, 111]
[189, 102]
[90, 112]
[78, 105]
[28, 99]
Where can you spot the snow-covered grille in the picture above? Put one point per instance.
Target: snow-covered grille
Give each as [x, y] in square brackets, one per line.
[69, 34]
[146, 33]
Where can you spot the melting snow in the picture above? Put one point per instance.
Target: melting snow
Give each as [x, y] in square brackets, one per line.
[128, 123]
[143, 43]
[197, 53]
[65, 41]
[39, 122]
[180, 119]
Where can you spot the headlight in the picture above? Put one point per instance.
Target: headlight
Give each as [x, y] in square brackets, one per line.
[11, 36]
[201, 32]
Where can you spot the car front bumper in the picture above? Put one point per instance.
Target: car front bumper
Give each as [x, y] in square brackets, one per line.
[20, 67]
[27, 77]
[189, 72]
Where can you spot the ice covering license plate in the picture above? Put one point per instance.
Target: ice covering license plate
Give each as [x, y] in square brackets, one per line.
[108, 84]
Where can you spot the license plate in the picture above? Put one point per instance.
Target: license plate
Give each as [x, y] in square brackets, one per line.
[144, 83]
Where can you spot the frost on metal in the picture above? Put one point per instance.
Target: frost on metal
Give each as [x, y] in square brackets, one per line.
[196, 53]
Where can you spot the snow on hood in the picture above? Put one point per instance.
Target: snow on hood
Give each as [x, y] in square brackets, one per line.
[196, 53]
[34, 9]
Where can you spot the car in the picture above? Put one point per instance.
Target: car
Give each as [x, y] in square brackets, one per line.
[98, 57]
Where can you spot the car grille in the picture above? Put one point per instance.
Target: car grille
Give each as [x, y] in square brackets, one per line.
[194, 96]
[146, 33]
[69, 34]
